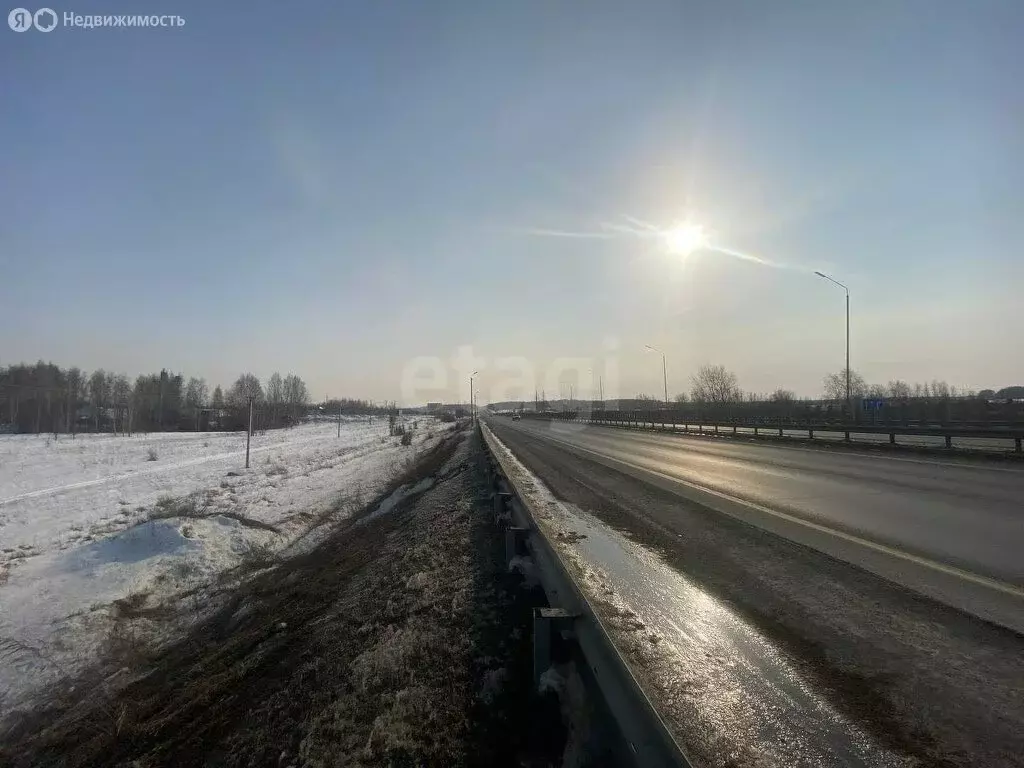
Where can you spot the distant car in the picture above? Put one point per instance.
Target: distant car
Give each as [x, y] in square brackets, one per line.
[515, 417]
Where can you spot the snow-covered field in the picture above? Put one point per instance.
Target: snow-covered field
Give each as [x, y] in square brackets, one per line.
[88, 521]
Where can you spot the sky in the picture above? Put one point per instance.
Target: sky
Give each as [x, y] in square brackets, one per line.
[384, 197]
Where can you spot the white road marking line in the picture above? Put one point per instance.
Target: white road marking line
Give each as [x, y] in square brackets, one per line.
[949, 570]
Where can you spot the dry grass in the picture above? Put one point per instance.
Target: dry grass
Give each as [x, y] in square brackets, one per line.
[257, 557]
[194, 506]
[166, 507]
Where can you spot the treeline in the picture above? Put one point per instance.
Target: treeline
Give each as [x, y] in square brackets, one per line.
[348, 406]
[717, 384]
[715, 393]
[47, 398]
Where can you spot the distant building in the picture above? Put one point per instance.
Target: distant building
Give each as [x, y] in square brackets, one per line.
[432, 407]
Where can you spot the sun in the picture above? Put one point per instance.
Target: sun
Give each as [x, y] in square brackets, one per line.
[685, 238]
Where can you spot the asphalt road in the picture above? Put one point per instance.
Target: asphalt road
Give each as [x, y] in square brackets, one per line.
[773, 652]
[967, 515]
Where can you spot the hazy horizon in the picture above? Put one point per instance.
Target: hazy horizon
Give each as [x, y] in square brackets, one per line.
[340, 192]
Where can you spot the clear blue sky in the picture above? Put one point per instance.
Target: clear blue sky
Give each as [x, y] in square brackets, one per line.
[336, 188]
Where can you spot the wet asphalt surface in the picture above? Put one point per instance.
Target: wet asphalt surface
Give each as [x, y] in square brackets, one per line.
[762, 652]
[967, 515]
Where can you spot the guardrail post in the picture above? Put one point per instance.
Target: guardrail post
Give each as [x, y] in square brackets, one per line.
[892, 438]
[810, 433]
[716, 429]
[514, 541]
[501, 502]
[846, 436]
[949, 441]
[546, 622]
[1017, 445]
[734, 429]
[780, 431]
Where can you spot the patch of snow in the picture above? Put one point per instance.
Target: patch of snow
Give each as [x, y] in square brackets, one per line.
[396, 497]
[525, 566]
[551, 681]
[88, 521]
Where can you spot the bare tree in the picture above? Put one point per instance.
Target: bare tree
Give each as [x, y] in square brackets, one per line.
[715, 384]
[121, 395]
[877, 392]
[75, 389]
[898, 390]
[835, 386]
[275, 396]
[97, 395]
[245, 386]
[682, 397]
[296, 396]
[782, 396]
[195, 397]
[196, 392]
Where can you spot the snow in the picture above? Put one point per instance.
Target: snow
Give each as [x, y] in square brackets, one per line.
[91, 520]
[396, 497]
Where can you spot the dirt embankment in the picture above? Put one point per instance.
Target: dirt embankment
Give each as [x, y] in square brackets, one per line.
[400, 640]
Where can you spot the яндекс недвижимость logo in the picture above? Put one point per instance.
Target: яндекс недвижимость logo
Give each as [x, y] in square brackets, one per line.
[22, 19]
[47, 20]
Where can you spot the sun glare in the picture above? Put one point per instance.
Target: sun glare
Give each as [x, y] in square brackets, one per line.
[686, 238]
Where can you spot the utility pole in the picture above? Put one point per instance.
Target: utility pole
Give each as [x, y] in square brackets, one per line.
[339, 418]
[248, 435]
[600, 383]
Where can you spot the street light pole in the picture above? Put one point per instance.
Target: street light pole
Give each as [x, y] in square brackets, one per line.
[664, 369]
[849, 404]
[664, 376]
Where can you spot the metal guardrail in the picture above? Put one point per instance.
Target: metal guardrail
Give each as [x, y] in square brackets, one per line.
[671, 421]
[648, 739]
